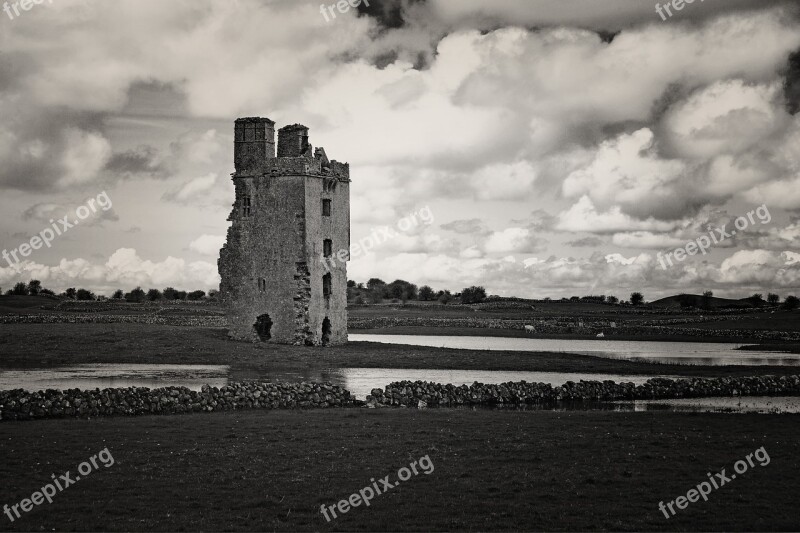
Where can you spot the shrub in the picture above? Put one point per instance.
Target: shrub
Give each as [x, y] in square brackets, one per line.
[473, 295]
[20, 289]
[137, 295]
[34, 287]
[85, 295]
[426, 294]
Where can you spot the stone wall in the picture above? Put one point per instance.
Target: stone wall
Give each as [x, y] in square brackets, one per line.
[428, 394]
[132, 401]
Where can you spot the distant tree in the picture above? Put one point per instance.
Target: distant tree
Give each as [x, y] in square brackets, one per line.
[20, 289]
[213, 295]
[180, 295]
[637, 298]
[85, 295]
[118, 294]
[473, 295]
[706, 301]
[71, 293]
[375, 294]
[612, 300]
[137, 295]
[758, 297]
[47, 292]
[9, 292]
[375, 282]
[169, 293]
[791, 302]
[154, 294]
[196, 295]
[773, 298]
[575, 299]
[445, 297]
[34, 287]
[351, 284]
[402, 290]
[426, 294]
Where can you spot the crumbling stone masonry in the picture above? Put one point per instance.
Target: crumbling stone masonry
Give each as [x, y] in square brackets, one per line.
[290, 211]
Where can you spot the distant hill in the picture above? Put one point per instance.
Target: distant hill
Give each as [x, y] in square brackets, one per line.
[697, 300]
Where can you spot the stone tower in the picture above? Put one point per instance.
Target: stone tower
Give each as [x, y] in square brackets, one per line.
[284, 265]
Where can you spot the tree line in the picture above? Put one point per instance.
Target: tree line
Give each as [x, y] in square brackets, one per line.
[137, 295]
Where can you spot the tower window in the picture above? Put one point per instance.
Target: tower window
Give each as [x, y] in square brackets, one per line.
[326, 285]
[246, 206]
[327, 248]
[262, 285]
[326, 207]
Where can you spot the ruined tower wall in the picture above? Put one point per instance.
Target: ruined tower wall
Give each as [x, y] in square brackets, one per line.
[261, 257]
[335, 227]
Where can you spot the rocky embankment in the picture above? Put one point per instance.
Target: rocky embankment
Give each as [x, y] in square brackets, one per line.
[427, 394]
[20, 404]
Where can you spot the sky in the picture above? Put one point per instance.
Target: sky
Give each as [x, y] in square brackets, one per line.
[557, 147]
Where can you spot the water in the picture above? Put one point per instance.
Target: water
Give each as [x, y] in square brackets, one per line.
[684, 353]
[359, 381]
[104, 376]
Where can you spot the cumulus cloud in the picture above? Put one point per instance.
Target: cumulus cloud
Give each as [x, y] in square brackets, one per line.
[584, 216]
[207, 244]
[124, 269]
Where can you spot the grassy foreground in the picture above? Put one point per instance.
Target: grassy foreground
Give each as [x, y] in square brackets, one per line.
[493, 470]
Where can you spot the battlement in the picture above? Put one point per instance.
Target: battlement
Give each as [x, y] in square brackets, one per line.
[293, 141]
[254, 151]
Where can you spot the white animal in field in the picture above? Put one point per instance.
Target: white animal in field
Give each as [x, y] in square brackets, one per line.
[530, 329]
[601, 335]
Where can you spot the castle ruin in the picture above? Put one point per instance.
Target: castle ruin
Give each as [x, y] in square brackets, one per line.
[283, 275]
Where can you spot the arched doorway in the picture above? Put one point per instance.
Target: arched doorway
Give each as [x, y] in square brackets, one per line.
[263, 327]
[326, 331]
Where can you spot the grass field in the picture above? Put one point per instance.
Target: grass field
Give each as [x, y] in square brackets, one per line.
[493, 470]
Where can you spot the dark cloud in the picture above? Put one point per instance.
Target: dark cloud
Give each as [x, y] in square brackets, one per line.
[144, 161]
[791, 86]
[472, 226]
[539, 220]
[389, 14]
[44, 144]
[586, 242]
